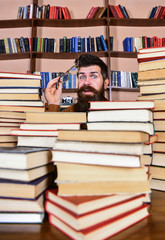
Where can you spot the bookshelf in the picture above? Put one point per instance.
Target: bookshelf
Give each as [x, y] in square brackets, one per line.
[45, 61]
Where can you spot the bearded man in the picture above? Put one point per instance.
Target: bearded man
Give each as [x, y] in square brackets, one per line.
[92, 81]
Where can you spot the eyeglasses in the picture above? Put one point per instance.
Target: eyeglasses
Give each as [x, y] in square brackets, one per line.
[64, 77]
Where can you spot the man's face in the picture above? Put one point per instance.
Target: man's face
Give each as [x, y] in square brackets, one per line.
[90, 77]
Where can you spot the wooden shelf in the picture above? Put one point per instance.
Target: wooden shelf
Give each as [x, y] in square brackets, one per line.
[136, 22]
[16, 23]
[51, 55]
[13, 56]
[120, 54]
[125, 89]
[70, 22]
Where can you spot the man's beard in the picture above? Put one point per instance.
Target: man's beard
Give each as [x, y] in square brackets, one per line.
[82, 104]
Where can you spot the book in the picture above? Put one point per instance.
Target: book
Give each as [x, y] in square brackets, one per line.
[19, 75]
[28, 190]
[8, 138]
[99, 105]
[101, 188]
[14, 108]
[161, 136]
[158, 159]
[24, 157]
[36, 141]
[85, 204]
[159, 115]
[22, 205]
[122, 126]
[151, 74]
[105, 147]
[76, 172]
[49, 126]
[157, 172]
[155, 89]
[143, 57]
[34, 132]
[104, 136]
[26, 175]
[157, 184]
[151, 83]
[20, 217]
[104, 229]
[19, 96]
[87, 220]
[149, 97]
[12, 115]
[158, 147]
[92, 158]
[126, 115]
[151, 65]
[56, 117]
[34, 103]
[159, 125]
[6, 90]
[18, 82]
[159, 105]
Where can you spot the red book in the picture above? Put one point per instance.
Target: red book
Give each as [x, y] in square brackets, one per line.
[85, 204]
[83, 221]
[119, 12]
[163, 13]
[113, 12]
[66, 13]
[51, 12]
[104, 229]
[91, 11]
[157, 11]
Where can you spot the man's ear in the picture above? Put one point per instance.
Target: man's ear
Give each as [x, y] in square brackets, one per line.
[106, 83]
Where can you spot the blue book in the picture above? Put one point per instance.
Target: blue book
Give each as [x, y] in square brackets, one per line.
[76, 44]
[70, 81]
[126, 44]
[46, 45]
[46, 78]
[74, 77]
[10, 46]
[73, 44]
[153, 12]
[104, 46]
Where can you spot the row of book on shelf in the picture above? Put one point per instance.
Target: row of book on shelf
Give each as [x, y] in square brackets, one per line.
[134, 44]
[43, 11]
[151, 82]
[157, 12]
[73, 44]
[124, 79]
[116, 11]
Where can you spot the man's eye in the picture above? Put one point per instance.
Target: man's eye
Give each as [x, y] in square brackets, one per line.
[93, 76]
[81, 77]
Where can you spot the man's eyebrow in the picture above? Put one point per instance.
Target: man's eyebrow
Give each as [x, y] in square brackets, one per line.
[90, 72]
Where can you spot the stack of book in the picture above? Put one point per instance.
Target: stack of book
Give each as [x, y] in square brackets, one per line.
[151, 80]
[25, 174]
[19, 93]
[41, 129]
[101, 170]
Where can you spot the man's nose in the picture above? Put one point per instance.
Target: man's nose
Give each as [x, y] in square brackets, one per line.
[87, 80]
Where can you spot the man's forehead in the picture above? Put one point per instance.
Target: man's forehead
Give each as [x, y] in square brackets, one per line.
[90, 69]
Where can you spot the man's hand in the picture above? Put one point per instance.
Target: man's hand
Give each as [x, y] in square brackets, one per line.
[52, 94]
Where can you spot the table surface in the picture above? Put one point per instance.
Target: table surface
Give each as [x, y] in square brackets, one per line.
[151, 228]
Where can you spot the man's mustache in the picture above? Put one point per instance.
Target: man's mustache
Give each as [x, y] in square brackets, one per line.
[87, 88]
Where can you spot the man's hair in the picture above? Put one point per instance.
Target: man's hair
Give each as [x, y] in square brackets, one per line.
[86, 60]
